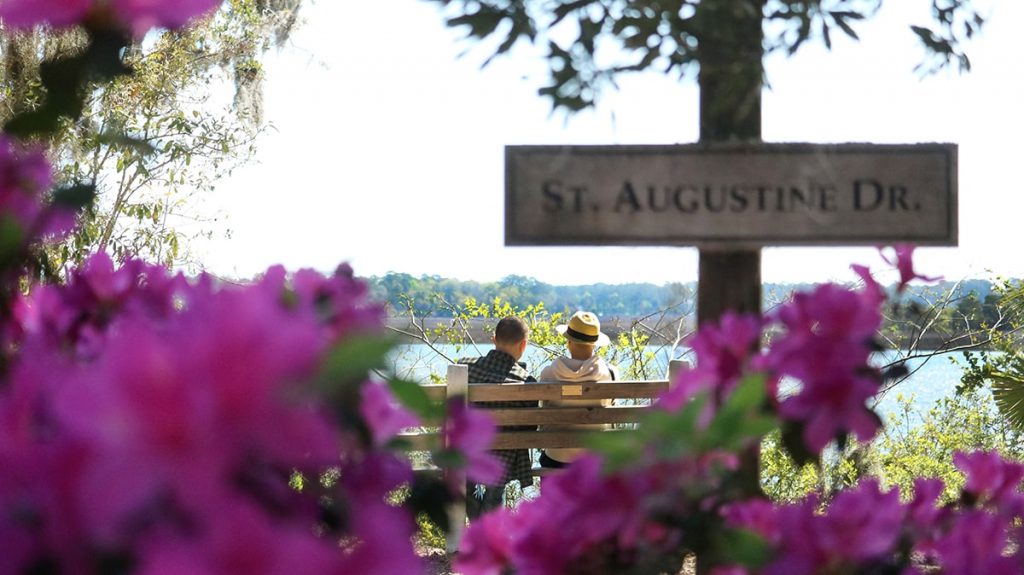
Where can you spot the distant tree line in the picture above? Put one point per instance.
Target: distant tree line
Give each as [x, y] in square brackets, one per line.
[433, 295]
[969, 304]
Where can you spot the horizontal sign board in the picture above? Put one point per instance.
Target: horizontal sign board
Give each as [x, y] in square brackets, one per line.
[731, 195]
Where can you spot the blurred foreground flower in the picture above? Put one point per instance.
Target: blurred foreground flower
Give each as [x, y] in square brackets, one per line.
[138, 16]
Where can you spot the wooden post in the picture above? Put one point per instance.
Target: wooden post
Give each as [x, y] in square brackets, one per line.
[458, 387]
[730, 79]
[675, 368]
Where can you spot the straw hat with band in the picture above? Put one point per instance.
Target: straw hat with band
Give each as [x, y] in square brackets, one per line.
[585, 328]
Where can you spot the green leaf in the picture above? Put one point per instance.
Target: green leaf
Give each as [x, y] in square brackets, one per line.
[847, 29]
[10, 239]
[357, 356]
[742, 547]
[740, 418]
[113, 138]
[618, 449]
[1008, 394]
[412, 396]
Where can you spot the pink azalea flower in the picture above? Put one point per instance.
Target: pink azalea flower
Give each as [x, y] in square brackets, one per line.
[757, 515]
[977, 545]
[723, 352]
[859, 526]
[903, 261]
[138, 16]
[25, 178]
[580, 509]
[923, 511]
[799, 552]
[831, 407]
[339, 301]
[141, 15]
[382, 412]
[990, 477]
[174, 437]
[470, 432]
[486, 547]
[239, 538]
[826, 347]
[57, 13]
[862, 523]
[380, 545]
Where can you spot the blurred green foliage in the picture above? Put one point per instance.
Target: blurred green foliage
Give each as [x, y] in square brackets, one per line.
[911, 445]
[152, 142]
[591, 43]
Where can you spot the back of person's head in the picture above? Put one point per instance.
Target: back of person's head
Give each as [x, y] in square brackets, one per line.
[510, 330]
[579, 350]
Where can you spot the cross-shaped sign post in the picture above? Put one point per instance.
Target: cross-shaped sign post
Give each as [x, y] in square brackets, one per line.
[730, 194]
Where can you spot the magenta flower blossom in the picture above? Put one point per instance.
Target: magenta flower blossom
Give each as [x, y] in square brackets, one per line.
[581, 514]
[57, 13]
[977, 545]
[25, 179]
[830, 408]
[757, 515]
[724, 353]
[240, 539]
[990, 478]
[923, 511]
[339, 301]
[141, 15]
[859, 526]
[826, 347]
[862, 523]
[76, 316]
[138, 16]
[173, 438]
[903, 260]
[384, 415]
[471, 431]
[486, 548]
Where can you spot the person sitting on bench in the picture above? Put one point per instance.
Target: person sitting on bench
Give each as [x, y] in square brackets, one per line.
[582, 337]
[502, 365]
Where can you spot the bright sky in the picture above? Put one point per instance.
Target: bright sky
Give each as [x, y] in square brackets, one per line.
[389, 148]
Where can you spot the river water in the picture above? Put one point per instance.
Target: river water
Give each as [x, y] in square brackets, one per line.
[932, 378]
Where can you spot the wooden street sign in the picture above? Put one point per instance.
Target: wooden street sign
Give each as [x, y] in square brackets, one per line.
[728, 196]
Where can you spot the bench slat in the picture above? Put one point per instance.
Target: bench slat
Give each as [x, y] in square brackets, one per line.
[421, 441]
[511, 439]
[437, 392]
[548, 415]
[543, 439]
[542, 391]
[496, 392]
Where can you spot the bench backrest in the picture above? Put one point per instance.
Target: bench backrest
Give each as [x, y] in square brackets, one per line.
[639, 392]
[458, 386]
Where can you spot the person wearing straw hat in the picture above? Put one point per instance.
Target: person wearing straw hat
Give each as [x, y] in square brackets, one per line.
[582, 338]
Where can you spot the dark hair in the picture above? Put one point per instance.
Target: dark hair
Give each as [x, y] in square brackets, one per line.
[511, 330]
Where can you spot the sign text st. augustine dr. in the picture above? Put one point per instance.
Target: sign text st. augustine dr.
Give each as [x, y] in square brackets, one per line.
[701, 195]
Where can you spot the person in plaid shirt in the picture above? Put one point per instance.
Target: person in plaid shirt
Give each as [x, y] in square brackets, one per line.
[502, 365]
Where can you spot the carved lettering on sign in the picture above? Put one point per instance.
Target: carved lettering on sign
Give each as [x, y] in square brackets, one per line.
[768, 194]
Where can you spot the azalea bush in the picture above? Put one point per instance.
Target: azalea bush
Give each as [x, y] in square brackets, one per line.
[153, 423]
[687, 481]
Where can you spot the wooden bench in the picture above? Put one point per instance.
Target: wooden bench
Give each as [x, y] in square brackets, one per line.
[637, 396]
